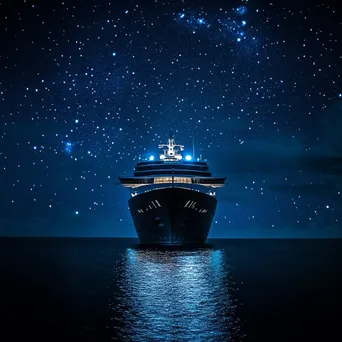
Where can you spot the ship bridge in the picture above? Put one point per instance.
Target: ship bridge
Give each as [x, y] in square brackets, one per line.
[172, 169]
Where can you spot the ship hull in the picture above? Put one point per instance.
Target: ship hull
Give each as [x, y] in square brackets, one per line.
[172, 216]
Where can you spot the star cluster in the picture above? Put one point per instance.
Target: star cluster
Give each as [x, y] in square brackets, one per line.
[89, 88]
[225, 26]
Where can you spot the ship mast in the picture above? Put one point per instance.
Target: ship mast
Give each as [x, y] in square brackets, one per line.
[171, 151]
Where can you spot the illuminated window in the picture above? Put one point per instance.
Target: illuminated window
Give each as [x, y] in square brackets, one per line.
[182, 180]
[186, 204]
[161, 180]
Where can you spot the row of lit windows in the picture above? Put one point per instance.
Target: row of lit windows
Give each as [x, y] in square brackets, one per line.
[189, 204]
[175, 180]
[154, 204]
[192, 205]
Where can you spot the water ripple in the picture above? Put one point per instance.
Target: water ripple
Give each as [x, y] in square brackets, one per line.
[174, 295]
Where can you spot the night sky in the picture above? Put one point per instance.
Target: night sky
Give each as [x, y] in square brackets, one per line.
[88, 88]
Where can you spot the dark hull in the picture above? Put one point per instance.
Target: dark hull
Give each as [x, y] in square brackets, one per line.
[172, 216]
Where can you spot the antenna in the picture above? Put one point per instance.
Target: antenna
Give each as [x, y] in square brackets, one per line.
[193, 146]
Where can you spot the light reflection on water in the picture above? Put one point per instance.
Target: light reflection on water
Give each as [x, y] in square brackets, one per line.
[174, 295]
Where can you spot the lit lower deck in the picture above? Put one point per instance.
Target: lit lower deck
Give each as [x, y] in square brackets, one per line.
[135, 182]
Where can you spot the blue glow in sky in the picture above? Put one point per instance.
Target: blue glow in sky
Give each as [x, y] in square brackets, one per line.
[68, 147]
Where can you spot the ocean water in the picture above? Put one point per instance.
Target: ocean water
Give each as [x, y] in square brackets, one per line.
[106, 290]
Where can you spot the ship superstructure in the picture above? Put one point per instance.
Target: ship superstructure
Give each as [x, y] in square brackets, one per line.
[173, 199]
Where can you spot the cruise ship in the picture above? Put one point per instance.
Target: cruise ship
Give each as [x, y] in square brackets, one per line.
[173, 199]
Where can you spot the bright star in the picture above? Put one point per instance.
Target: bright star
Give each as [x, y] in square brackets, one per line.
[241, 10]
[68, 147]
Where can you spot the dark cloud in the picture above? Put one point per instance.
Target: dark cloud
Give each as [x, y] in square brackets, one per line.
[330, 126]
[282, 161]
[256, 156]
[329, 165]
[279, 153]
[323, 189]
[268, 157]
